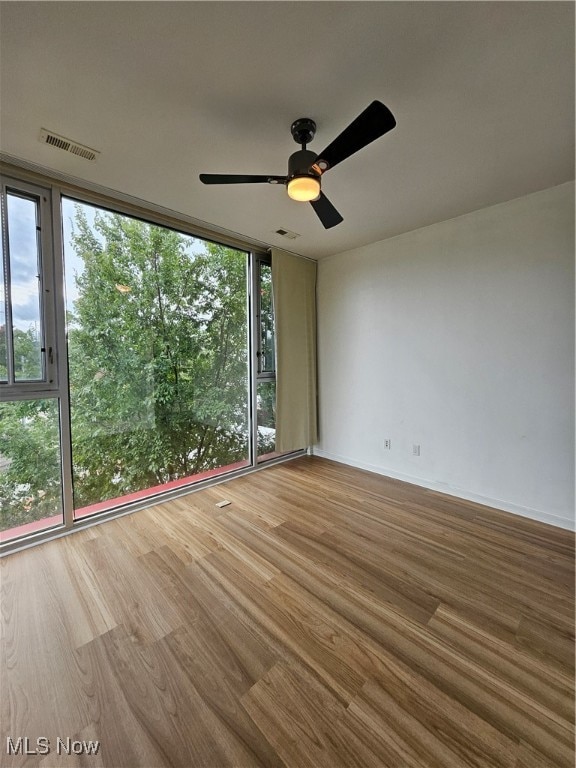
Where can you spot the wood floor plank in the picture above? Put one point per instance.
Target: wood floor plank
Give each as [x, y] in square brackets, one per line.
[305, 722]
[216, 672]
[423, 726]
[143, 714]
[528, 757]
[41, 691]
[124, 581]
[305, 637]
[390, 587]
[328, 617]
[533, 676]
[549, 639]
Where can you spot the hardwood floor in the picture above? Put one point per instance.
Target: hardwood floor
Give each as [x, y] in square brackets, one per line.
[328, 617]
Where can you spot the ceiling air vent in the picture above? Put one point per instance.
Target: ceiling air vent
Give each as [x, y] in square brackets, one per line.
[60, 142]
[287, 234]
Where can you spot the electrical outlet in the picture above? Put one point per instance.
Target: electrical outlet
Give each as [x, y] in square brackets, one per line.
[415, 450]
[388, 444]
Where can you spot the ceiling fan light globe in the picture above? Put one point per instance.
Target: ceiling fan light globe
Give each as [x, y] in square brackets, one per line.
[304, 188]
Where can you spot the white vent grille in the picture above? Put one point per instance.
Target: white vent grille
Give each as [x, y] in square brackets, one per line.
[287, 234]
[60, 142]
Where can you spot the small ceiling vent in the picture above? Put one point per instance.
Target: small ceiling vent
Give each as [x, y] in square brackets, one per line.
[60, 142]
[287, 234]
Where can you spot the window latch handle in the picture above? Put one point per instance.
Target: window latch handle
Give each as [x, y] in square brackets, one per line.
[50, 354]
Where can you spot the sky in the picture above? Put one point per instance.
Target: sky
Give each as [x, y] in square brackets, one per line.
[24, 252]
[73, 264]
[23, 262]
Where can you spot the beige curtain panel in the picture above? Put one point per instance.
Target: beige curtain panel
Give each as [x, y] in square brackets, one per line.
[294, 287]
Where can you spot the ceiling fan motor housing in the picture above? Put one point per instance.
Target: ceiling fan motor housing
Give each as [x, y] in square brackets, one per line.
[303, 130]
[301, 163]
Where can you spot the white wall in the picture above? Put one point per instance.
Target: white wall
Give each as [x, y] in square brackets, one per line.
[458, 337]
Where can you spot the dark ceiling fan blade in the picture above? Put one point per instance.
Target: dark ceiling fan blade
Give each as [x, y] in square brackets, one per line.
[224, 178]
[375, 121]
[326, 212]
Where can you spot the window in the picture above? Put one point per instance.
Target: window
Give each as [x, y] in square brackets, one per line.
[26, 301]
[158, 356]
[30, 445]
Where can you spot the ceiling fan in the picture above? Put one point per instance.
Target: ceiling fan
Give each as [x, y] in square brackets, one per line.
[306, 168]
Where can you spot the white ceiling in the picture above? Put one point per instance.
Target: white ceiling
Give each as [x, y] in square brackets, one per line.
[483, 94]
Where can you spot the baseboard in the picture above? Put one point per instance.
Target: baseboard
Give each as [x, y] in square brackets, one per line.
[505, 506]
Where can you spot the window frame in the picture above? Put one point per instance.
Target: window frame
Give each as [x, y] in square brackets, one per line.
[19, 390]
[262, 375]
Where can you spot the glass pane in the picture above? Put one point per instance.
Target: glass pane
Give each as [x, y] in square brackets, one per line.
[30, 473]
[266, 402]
[158, 357]
[25, 287]
[267, 349]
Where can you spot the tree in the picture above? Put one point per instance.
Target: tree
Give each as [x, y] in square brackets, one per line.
[158, 357]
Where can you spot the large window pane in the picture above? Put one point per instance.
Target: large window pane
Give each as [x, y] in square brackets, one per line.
[158, 356]
[30, 473]
[25, 291]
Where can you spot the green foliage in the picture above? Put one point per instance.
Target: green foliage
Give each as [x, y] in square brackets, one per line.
[158, 367]
[30, 472]
[27, 360]
[158, 373]
[266, 417]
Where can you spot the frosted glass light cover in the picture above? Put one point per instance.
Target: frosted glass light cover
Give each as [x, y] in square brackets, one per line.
[303, 188]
